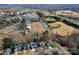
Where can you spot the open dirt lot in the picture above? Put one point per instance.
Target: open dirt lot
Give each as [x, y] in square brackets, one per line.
[37, 27]
[63, 30]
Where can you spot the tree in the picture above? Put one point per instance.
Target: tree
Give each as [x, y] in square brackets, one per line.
[54, 52]
[7, 43]
[45, 33]
[40, 14]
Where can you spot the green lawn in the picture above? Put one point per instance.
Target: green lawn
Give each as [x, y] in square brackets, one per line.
[3, 35]
[50, 20]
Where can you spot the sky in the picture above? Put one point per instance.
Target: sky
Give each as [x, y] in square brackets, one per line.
[41, 5]
[39, 1]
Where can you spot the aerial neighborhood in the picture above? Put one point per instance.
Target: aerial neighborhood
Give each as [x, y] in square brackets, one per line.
[39, 30]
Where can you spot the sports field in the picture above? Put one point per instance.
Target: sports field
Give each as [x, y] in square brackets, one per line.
[50, 20]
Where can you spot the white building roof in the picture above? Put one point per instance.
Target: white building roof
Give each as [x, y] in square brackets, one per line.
[31, 15]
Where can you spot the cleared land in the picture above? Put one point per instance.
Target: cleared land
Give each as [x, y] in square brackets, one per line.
[37, 27]
[62, 29]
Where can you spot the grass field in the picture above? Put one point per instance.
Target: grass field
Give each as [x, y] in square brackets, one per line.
[63, 30]
[50, 20]
[37, 27]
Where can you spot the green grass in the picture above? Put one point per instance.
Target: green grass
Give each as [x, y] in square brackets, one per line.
[50, 20]
[56, 27]
[21, 52]
[3, 35]
[53, 46]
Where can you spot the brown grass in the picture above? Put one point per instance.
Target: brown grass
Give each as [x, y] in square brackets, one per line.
[63, 30]
[37, 27]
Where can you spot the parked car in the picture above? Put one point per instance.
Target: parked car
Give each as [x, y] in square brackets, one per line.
[38, 44]
[16, 48]
[26, 46]
[7, 51]
[34, 45]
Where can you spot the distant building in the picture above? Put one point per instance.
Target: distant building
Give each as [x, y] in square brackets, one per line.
[31, 16]
[29, 26]
[65, 12]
